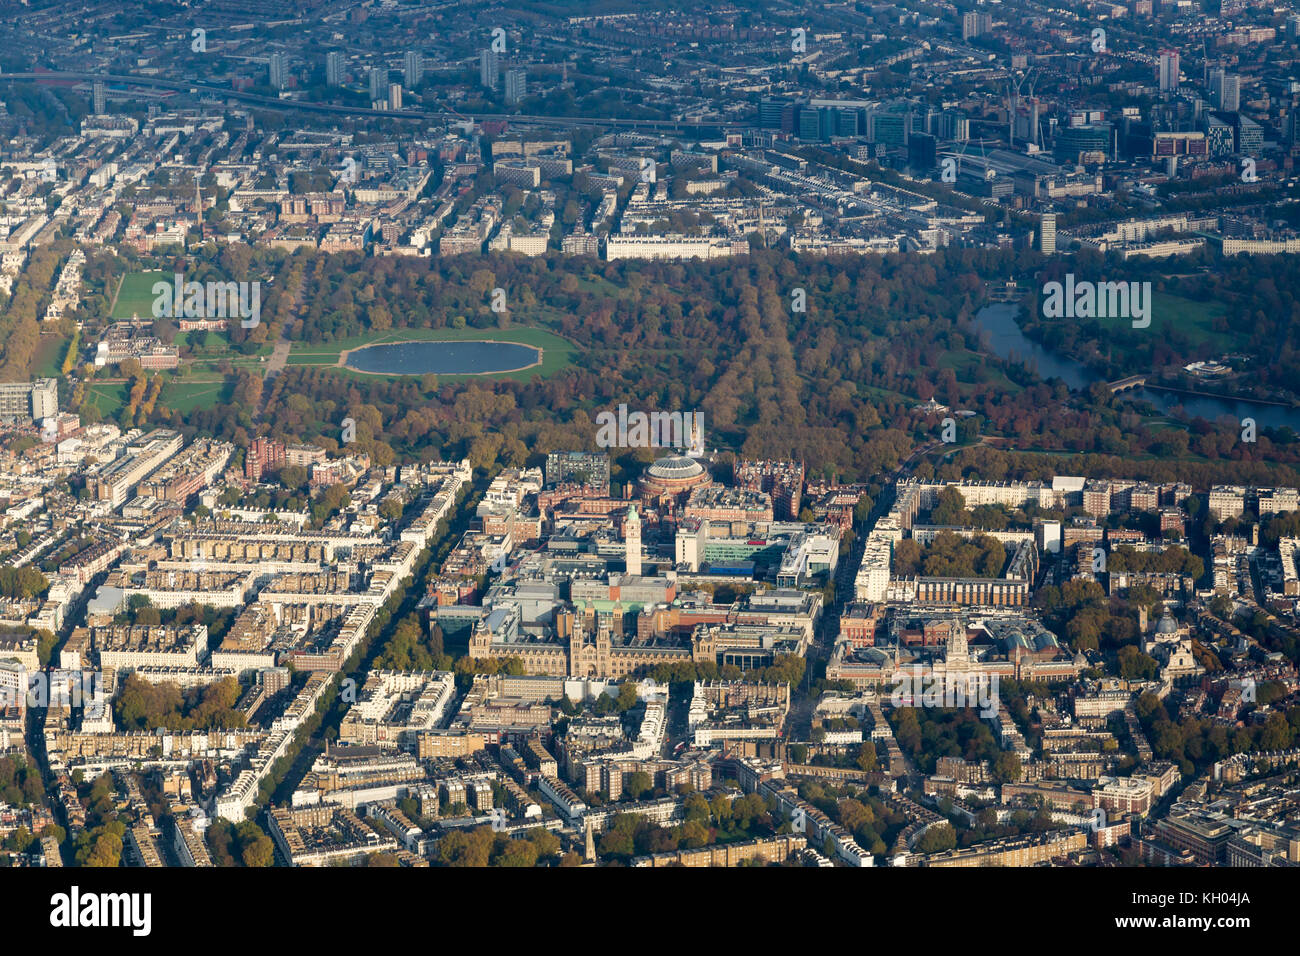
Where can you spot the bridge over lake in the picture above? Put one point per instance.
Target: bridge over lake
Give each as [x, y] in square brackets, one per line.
[1133, 381]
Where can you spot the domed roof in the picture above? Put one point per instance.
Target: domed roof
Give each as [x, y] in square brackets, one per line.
[1167, 625]
[675, 468]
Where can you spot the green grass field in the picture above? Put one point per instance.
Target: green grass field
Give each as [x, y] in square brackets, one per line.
[187, 396]
[108, 397]
[1172, 314]
[557, 352]
[971, 367]
[181, 395]
[49, 356]
[135, 295]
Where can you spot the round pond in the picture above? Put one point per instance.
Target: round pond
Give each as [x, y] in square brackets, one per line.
[442, 358]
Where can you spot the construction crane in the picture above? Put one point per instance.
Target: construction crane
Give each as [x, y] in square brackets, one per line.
[1013, 102]
[1034, 136]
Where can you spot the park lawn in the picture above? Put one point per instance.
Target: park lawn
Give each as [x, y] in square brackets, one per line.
[108, 397]
[1188, 318]
[185, 396]
[217, 346]
[972, 369]
[599, 285]
[557, 352]
[883, 394]
[216, 352]
[182, 395]
[135, 295]
[1163, 423]
[208, 367]
[49, 357]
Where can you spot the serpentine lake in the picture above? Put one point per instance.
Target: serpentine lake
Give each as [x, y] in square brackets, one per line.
[1006, 341]
[442, 358]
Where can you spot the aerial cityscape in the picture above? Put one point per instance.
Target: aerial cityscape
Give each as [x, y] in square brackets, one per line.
[746, 433]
